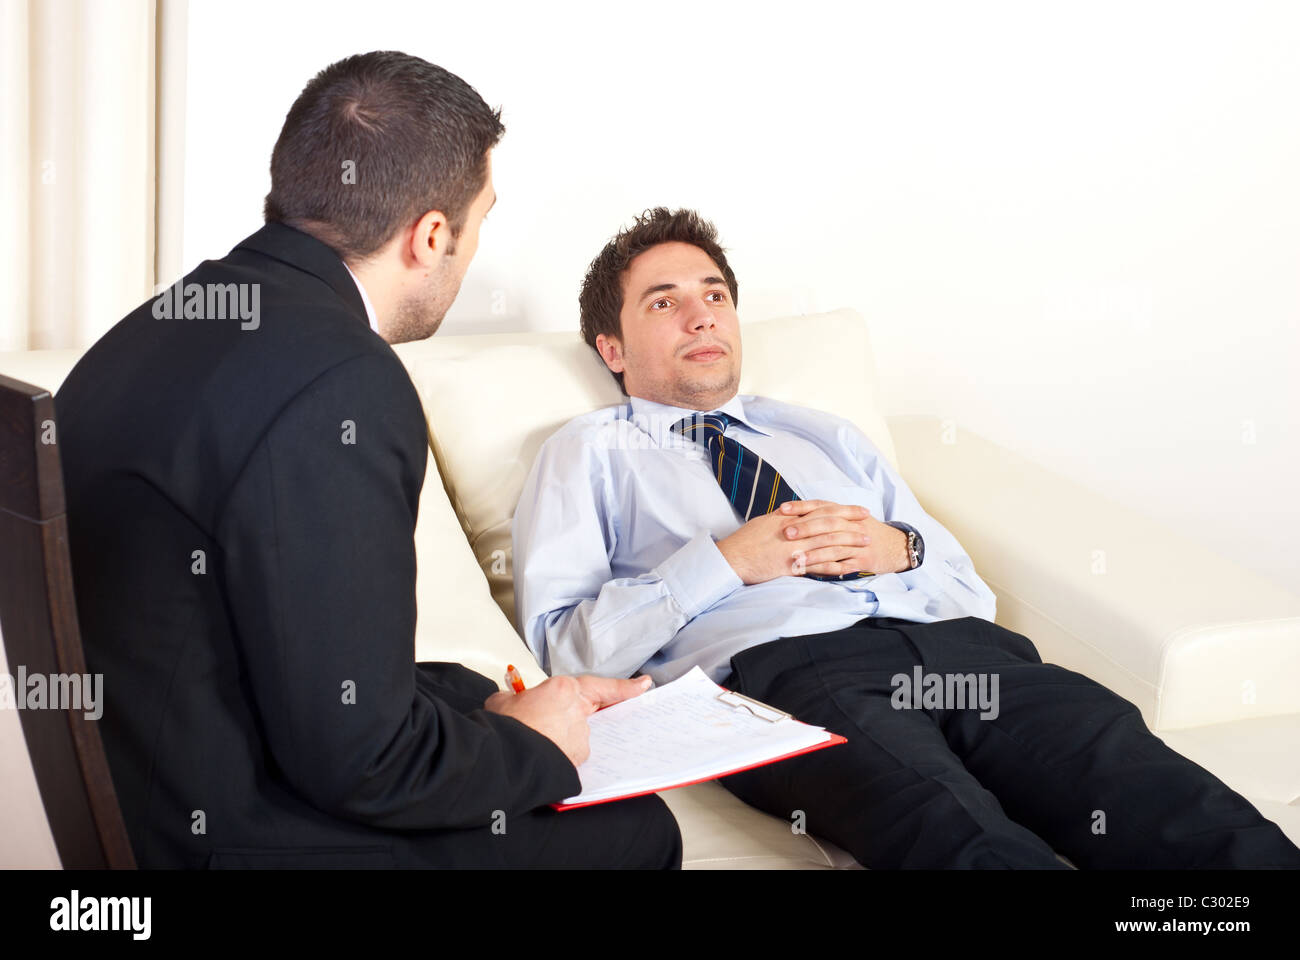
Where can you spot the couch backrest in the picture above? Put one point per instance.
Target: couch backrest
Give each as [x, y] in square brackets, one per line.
[492, 400]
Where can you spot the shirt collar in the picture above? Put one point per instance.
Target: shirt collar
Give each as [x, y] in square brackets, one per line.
[370, 310]
[649, 412]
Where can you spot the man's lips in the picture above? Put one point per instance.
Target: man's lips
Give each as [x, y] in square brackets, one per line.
[706, 353]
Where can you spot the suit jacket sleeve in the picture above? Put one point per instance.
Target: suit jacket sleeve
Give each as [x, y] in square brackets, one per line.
[317, 534]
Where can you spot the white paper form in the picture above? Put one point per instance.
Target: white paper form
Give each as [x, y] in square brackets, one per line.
[680, 733]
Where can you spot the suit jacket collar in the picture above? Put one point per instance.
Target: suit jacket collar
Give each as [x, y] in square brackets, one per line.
[306, 253]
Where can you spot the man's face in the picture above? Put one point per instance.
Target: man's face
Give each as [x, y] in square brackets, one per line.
[681, 336]
[421, 312]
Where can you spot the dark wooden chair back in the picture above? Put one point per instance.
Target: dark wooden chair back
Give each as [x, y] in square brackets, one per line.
[38, 622]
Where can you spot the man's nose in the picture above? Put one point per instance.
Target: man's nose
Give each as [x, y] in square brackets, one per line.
[698, 316]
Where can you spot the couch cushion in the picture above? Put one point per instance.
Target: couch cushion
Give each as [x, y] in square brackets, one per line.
[456, 619]
[721, 832]
[492, 400]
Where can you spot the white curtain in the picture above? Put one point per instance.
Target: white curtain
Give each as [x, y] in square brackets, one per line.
[91, 132]
[92, 96]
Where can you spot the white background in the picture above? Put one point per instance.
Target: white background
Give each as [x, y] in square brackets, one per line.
[1074, 227]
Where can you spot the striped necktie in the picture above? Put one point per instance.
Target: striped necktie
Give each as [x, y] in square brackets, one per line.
[753, 485]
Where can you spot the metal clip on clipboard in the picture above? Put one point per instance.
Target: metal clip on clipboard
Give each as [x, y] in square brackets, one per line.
[759, 709]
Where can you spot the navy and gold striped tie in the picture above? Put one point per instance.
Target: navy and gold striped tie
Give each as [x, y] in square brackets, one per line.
[753, 485]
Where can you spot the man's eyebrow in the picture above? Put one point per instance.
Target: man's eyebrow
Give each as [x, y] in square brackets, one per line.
[665, 287]
[658, 288]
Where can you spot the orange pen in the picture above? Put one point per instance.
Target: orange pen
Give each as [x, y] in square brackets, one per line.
[513, 680]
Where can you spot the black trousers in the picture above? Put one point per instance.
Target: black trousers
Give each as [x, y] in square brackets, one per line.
[1066, 766]
[640, 833]
[636, 834]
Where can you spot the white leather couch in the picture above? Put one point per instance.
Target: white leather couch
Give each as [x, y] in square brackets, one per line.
[1209, 652]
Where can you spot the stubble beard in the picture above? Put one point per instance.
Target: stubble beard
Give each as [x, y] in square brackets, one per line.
[706, 391]
[419, 315]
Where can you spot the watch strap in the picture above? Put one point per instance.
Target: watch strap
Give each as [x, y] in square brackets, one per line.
[915, 542]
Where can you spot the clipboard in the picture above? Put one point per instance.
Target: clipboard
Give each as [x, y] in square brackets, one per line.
[835, 740]
[736, 701]
[757, 707]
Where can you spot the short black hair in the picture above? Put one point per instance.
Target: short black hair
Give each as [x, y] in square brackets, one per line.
[601, 301]
[373, 143]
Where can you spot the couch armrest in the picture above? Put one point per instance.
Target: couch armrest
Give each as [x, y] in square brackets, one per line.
[1188, 636]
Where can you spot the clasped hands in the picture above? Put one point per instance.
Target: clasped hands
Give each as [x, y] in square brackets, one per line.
[801, 536]
[814, 536]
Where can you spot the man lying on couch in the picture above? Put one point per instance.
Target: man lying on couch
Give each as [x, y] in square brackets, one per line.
[774, 547]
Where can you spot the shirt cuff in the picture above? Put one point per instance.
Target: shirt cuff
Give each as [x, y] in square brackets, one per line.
[698, 576]
[920, 540]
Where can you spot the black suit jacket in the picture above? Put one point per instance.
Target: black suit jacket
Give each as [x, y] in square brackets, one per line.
[245, 581]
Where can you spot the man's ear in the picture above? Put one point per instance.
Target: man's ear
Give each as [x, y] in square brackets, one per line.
[611, 351]
[431, 239]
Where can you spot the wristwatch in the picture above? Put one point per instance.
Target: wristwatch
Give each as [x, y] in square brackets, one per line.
[915, 543]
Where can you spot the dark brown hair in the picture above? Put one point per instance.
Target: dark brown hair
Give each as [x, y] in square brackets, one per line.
[413, 136]
[601, 299]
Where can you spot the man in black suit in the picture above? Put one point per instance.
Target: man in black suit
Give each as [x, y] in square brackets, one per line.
[243, 459]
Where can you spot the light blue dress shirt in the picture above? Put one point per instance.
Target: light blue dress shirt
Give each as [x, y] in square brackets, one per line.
[616, 565]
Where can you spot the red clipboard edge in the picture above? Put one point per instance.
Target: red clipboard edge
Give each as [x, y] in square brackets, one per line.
[834, 740]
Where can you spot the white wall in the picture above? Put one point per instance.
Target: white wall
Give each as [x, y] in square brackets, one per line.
[1075, 227]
